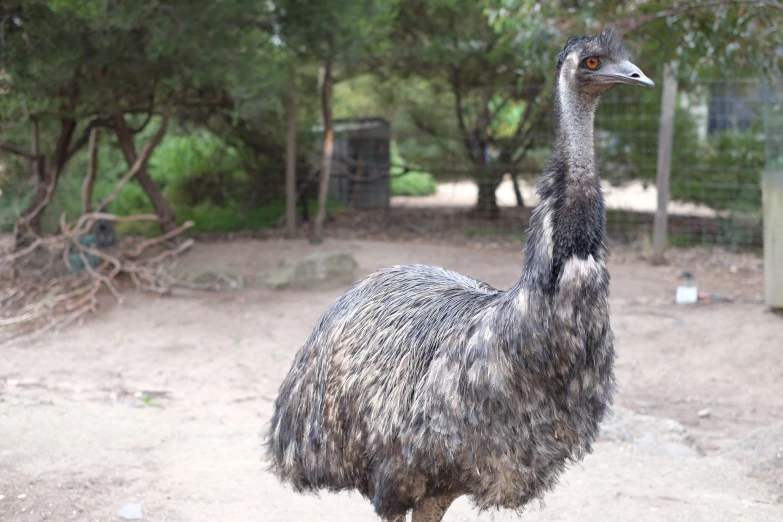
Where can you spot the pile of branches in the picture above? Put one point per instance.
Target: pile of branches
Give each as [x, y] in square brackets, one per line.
[36, 299]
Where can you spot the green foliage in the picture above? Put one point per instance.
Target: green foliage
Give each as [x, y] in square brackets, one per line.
[414, 184]
[716, 39]
[197, 168]
[411, 183]
[201, 175]
[209, 217]
[724, 173]
[464, 74]
[442, 71]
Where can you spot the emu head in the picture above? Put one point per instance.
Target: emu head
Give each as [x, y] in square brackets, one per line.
[590, 65]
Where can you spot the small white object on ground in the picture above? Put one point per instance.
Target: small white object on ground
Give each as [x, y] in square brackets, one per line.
[706, 412]
[130, 511]
[687, 294]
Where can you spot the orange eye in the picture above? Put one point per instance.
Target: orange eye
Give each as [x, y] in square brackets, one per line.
[592, 62]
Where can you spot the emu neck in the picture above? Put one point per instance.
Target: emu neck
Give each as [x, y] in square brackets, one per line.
[574, 141]
[568, 224]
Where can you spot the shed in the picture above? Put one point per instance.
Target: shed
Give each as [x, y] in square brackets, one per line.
[361, 162]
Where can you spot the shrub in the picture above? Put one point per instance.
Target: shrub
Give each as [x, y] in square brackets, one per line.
[412, 183]
[196, 168]
[724, 173]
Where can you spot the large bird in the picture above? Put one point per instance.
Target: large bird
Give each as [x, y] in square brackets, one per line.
[420, 385]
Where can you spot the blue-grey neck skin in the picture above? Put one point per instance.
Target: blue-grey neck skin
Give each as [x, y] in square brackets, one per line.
[569, 220]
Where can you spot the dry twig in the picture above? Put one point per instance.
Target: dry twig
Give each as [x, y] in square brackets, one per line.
[28, 306]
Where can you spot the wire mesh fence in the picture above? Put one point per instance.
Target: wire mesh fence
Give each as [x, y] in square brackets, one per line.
[481, 176]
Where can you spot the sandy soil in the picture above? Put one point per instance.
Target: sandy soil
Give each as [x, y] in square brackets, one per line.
[634, 196]
[161, 401]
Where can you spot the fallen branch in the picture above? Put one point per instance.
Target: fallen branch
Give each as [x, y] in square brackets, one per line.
[29, 307]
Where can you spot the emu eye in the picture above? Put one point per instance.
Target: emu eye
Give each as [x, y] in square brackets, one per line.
[592, 62]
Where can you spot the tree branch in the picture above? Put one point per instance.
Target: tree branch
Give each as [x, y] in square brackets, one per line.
[13, 149]
[456, 87]
[141, 159]
[631, 24]
[84, 138]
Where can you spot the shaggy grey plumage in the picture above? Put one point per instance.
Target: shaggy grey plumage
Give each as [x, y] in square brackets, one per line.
[420, 383]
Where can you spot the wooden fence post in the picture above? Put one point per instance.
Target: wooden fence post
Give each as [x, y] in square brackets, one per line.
[773, 238]
[290, 161]
[665, 142]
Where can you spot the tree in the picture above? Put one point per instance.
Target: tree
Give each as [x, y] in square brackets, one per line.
[338, 37]
[74, 65]
[488, 62]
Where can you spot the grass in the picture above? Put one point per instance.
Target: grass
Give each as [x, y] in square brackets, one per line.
[684, 241]
[229, 218]
[513, 237]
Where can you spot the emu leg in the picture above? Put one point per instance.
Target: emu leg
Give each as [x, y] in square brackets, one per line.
[432, 509]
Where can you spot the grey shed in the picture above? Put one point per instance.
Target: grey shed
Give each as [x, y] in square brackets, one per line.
[360, 168]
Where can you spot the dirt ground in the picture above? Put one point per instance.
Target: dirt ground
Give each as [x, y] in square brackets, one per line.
[161, 401]
[635, 195]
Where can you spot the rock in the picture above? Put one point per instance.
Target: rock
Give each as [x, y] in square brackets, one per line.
[654, 444]
[653, 434]
[761, 452]
[212, 278]
[318, 271]
[703, 414]
[130, 511]
[278, 278]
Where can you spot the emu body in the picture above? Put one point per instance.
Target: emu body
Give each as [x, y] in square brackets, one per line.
[419, 384]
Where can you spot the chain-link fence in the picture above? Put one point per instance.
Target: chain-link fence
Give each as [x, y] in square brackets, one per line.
[481, 174]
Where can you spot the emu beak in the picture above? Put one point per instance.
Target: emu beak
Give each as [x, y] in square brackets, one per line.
[624, 72]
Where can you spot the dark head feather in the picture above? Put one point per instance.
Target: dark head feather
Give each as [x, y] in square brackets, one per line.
[606, 43]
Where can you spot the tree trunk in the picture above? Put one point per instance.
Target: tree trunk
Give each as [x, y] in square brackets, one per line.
[92, 169]
[487, 203]
[290, 163]
[168, 220]
[328, 150]
[29, 224]
[517, 191]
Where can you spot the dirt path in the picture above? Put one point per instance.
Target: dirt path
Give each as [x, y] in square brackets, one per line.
[161, 401]
[635, 195]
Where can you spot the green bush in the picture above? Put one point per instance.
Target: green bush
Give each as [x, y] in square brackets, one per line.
[209, 217]
[196, 168]
[724, 173]
[200, 175]
[411, 183]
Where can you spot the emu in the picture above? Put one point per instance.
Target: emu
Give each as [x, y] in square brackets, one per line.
[420, 385]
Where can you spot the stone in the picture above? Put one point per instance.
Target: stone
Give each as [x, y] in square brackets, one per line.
[130, 511]
[317, 271]
[278, 278]
[653, 434]
[761, 452]
[703, 414]
[212, 278]
[653, 443]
